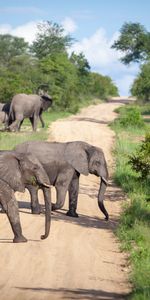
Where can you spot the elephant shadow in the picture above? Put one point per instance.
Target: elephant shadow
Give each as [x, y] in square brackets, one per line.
[83, 220]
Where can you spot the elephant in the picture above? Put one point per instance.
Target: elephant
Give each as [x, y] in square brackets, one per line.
[28, 106]
[17, 172]
[63, 163]
[4, 113]
[3, 117]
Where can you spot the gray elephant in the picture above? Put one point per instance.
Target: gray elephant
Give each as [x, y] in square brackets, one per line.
[17, 171]
[28, 106]
[3, 117]
[4, 113]
[64, 162]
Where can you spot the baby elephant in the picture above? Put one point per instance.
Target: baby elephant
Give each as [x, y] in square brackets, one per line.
[17, 171]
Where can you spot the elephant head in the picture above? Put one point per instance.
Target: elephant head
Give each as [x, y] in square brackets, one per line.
[19, 170]
[87, 159]
[46, 101]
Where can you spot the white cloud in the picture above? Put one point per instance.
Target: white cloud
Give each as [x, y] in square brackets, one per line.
[97, 49]
[69, 25]
[105, 60]
[27, 31]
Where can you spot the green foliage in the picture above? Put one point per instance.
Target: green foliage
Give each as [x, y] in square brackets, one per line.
[11, 46]
[140, 161]
[50, 40]
[46, 63]
[141, 85]
[134, 41]
[130, 116]
[102, 86]
[134, 225]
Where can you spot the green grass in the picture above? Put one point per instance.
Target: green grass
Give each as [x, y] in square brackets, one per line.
[134, 228]
[8, 140]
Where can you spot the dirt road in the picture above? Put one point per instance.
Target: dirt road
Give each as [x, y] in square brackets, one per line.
[81, 258]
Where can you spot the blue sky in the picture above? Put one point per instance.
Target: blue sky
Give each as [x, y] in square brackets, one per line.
[94, 24]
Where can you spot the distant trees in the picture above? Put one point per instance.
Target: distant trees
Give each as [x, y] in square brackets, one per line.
[46, 62]
[141, 85]
[134, 42]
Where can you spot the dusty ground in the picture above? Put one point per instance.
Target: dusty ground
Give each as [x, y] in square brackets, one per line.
[81, 258]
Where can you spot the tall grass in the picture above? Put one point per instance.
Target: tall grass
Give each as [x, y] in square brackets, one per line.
[134, 230]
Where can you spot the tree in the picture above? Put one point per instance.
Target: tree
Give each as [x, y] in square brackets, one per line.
[102, 86]
[61, 76]
[83, 70]
[11, 46]
[134, 42]
[50, 40]
[141, 85]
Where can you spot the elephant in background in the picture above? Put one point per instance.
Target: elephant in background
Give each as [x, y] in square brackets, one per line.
[17, 171]
[4, 113]
[28, 106]
[63, 163]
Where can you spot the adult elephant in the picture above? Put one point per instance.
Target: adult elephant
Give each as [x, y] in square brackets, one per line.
[17, 171]
[64, 162]
[28, 106]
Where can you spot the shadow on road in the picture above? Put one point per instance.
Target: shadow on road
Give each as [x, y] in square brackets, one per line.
[88, 294]
[90, 120]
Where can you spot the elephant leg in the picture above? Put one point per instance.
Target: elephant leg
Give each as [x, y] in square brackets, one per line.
[11, 209]
[35, 121]
[60, 196]
[42, 121]
[73, 195]
[35, 206]
[31, 120]
[15, 126]
[19, 126]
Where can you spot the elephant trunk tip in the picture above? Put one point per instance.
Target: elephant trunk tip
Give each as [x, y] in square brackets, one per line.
[44, 236]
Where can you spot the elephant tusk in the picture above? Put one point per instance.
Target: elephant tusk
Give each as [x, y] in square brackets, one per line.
[106, 182]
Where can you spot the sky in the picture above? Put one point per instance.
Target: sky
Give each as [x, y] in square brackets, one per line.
[94, 25]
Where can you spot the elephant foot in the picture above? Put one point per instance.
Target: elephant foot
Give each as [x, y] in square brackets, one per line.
[55, 207]
[72, 213]
[36, 210]
[19, 239]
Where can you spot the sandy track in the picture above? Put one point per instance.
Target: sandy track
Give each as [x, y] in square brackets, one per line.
[81, 258]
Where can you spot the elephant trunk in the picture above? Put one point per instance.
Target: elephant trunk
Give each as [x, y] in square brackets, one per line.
[101, 193]
[47, 199]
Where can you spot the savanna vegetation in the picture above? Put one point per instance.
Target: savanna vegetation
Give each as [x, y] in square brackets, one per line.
[46, 64]
[132, 155]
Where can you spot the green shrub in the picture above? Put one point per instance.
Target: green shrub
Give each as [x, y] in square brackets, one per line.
[130, 116]
[140, 161]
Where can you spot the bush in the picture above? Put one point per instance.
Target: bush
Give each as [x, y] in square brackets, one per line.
[140, 161]
[130, 116]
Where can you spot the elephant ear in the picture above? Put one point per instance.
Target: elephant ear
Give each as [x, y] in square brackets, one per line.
[10, 171]
[76, 156]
